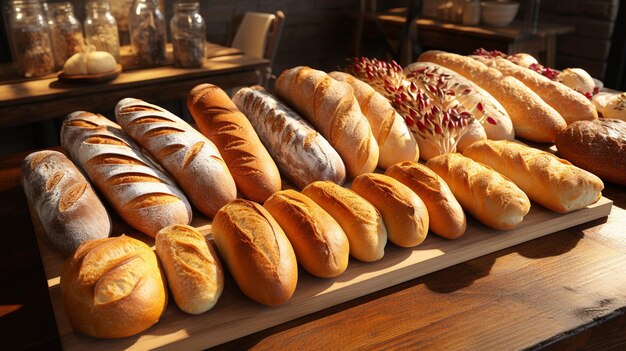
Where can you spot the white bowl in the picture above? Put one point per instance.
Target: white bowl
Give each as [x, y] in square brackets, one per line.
[498, 13]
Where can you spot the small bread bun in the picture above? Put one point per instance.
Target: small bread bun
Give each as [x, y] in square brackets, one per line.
[89, 62]
[404, 213]
[113, 288]
[577, 79]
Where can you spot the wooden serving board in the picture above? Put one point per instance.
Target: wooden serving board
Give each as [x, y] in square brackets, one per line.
[235, 315]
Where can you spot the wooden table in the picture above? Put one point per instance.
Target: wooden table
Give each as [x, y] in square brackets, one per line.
[563, 291]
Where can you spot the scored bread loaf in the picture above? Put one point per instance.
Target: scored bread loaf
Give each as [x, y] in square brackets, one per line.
[404, 213]
[68, 208]
[191, 158]
[193, 270]
[113, 288]
[490, 197]
[445, 215]
[301, 154]
[547, 180]
[395, 142]
[143, 195]
[251, 166]
[256, 251]
[334, 111]
[532, 118]
[359, 219]
[320, 244]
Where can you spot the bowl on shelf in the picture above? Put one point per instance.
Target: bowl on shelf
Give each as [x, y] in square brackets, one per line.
[499, 13]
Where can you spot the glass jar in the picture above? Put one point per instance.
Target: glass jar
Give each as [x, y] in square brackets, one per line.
[30, 39]
[66, 32]
[147, 32]
[101, 28]
[188, 35]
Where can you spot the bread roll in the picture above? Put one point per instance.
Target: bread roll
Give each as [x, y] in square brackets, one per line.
[191, 158]
[359, 219]
[577, 79]
[113, 288]
[320, 244]
[547, 180]
[252, 167]
[332, 108]
[445, 215]
[193, 270]
[486, 194]
[142, 194]
[598, 146]
[533, 118]
[395, 142]
[301, 154]
[256, 252]
[404, 213]
[68, 208]
[610, 104]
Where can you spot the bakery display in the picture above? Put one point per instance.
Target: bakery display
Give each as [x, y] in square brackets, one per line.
[67, 206]
[113, 288]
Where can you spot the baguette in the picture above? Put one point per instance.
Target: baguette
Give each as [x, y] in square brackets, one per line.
[332, 108]
[68, 208]
[445, 215]
[256, 252]
[404, 213]
[533, 118]
[251, 166]
[395, 142]
[320, 244]
[301, 154]
[490, 197]
[142, 194]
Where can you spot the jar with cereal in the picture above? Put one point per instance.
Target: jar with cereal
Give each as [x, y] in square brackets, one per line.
[147, 32]
[66, 32]
[101, 28]
[188, 35]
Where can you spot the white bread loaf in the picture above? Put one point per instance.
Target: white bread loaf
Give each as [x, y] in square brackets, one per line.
[301, 154]
[332, 108]
[144, 196]
[611, 104]
[68, 208]
[191, 158]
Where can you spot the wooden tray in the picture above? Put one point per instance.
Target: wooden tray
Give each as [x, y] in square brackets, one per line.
[235, 316]
[91, 78]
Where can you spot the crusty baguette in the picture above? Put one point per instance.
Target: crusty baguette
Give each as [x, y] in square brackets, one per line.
[547, 180]
[191, 158]
[301, 154]
[193, 270]
[570, 104]
[113, 288]
[143, 195]
[445, 215]
[533, 118]
[332, 108]
[256, 252]
[320, 244]
[404, 213]
[68, 208]
[395, 142]
[490, 197]
[217, 117]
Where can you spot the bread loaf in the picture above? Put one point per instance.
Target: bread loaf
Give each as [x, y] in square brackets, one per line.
[143, 195]
[547, 180]
[332, 108]
[320, 244]
[301, 154]
[191, 158]
[445, 215]
[359, 219]
[68, 208]
[193, 270]
[256, 252]
[252, 167]
[533, 118]
[404, 213]
[493, 199]
[395, 142]
[611, 104]
[113, 288]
